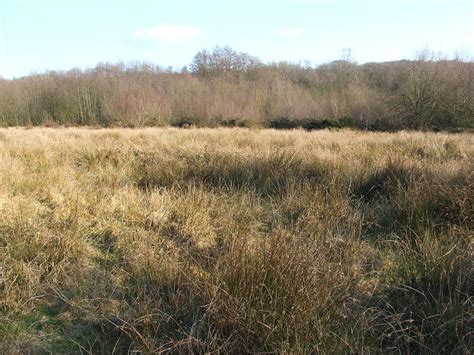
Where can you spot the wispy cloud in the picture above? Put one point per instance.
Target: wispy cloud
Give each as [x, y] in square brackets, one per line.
[292, 32]
[169, 33]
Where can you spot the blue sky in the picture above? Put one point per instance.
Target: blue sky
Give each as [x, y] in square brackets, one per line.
[39, 35]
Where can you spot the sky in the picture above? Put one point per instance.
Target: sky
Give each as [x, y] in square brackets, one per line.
[41, 35]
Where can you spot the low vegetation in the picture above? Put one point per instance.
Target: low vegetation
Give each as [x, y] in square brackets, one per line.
[223, 87]
[235, 240]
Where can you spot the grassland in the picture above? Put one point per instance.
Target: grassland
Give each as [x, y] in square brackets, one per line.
[235, 240]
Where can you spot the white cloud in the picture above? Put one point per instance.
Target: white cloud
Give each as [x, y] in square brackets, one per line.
[292, 32]
[169, 33]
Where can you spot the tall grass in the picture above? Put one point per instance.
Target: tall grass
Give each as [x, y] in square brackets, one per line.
[235, 240]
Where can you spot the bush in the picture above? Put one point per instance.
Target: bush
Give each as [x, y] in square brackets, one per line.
[284, 123]
[312, 124]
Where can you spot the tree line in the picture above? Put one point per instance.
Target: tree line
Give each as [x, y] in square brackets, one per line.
[224, 87]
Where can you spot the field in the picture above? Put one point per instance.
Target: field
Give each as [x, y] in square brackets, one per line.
[235, 240]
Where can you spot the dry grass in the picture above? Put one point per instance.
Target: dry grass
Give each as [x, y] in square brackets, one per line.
[235, 240]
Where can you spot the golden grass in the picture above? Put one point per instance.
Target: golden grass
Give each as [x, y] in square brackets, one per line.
[235, 240]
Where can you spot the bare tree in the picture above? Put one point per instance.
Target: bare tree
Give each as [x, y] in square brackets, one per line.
[417, 98]
[222, 60]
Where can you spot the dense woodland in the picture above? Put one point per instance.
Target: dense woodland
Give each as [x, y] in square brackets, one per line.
[224, 87]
